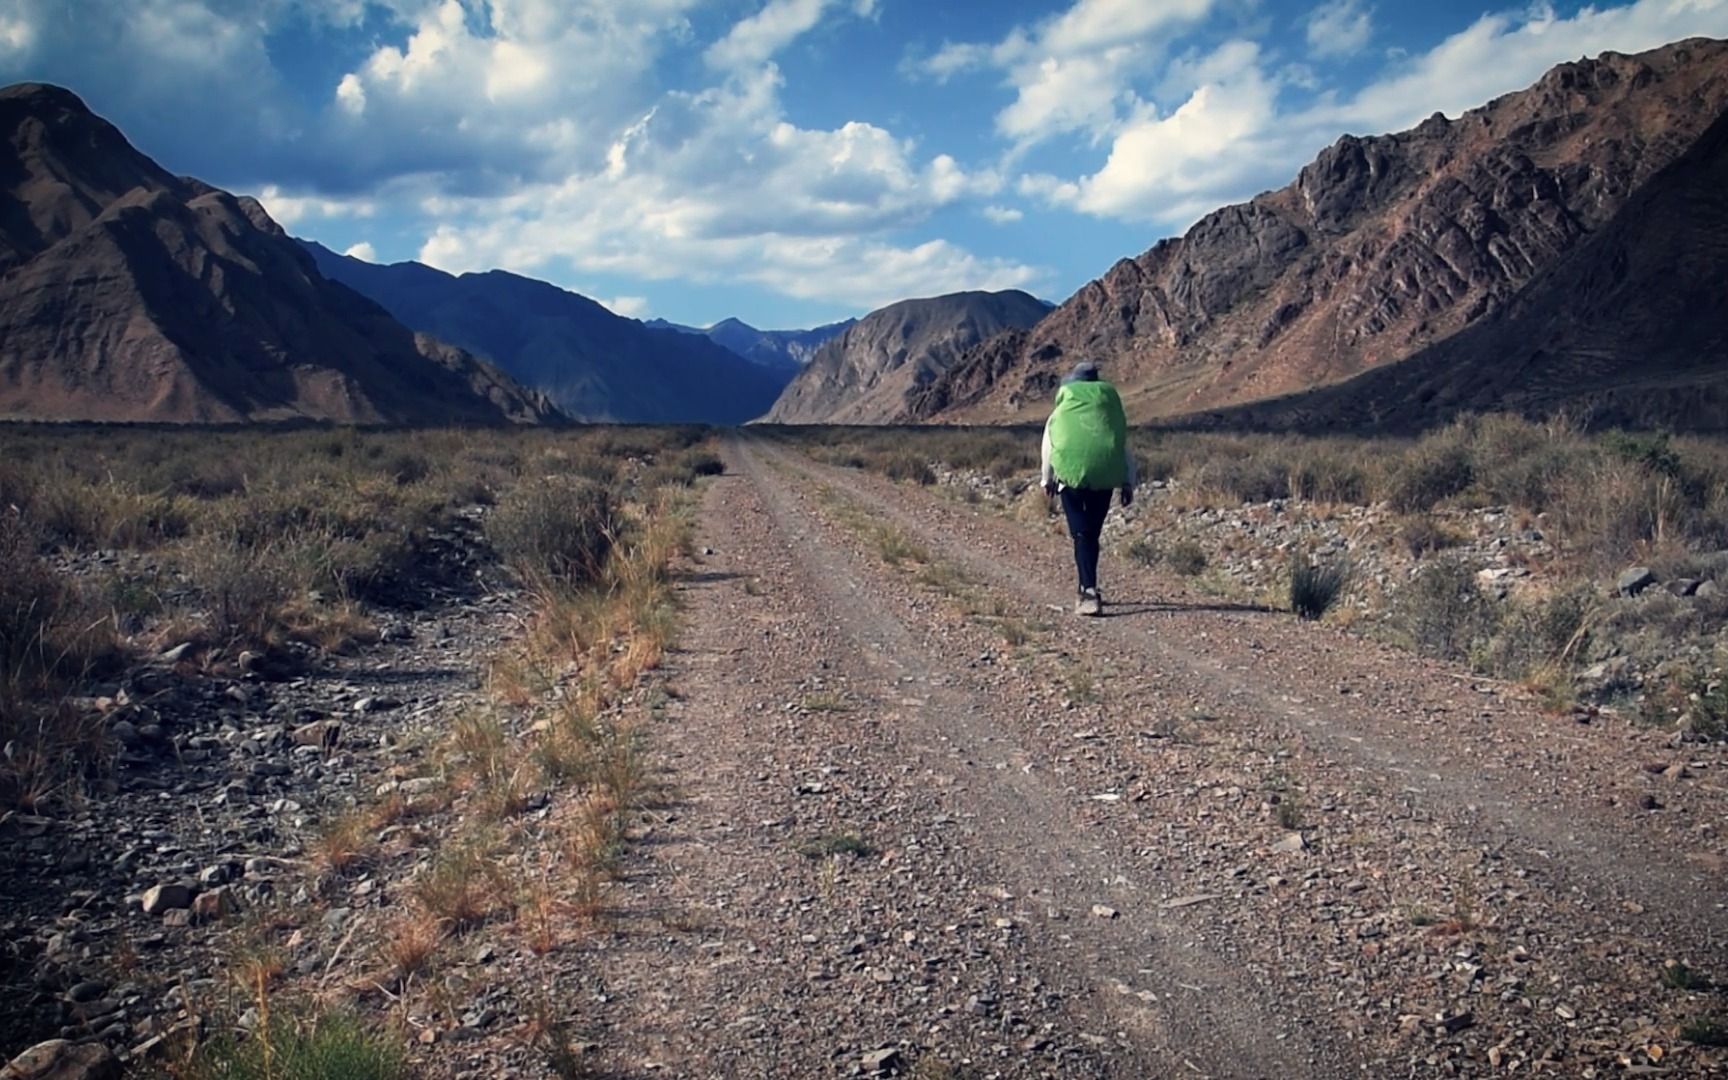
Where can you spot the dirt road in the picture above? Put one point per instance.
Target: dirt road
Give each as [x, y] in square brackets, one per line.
[922, 821]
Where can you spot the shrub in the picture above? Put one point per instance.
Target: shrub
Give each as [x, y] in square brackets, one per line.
[1421, 535]
[556, 532]
[244, 587]
[1246, 479]
[49, 633]
[1315, 587]
[1329, 478]
[1432, 472]
[1443, 612]
[908, 466]
[1186, 558]
[1542, 633]
[1142, 550]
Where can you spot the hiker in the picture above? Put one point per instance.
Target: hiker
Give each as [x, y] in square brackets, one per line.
[1085, 458]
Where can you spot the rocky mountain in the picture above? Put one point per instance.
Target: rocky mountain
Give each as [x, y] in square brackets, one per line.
[130, 294]
[870, 372]
[1628, 328]
[593, 363]
[784, 350]
[1380, 249]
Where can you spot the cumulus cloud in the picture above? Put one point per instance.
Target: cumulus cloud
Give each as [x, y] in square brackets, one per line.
[1002, 215]
[1339, 28]
[718, 186]
[364, 251]
[1231, 133]
[1076, 70]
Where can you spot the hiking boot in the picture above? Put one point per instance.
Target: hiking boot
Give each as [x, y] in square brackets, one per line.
[1090, 603]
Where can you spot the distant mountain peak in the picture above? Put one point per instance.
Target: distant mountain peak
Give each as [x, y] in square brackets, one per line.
[131, 294]
[866, 373]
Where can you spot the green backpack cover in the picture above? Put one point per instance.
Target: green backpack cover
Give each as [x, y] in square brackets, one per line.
[1088, 436]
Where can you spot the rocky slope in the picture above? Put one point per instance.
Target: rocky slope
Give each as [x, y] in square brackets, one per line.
[870, 372]
[785, 350]
[1380, 248]
[1626, 329]
[129, 294]
[593, 363]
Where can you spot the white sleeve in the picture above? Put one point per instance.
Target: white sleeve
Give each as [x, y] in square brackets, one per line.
[1044, 473]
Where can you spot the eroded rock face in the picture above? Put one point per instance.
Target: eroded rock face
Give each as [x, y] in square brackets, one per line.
[1380, 248]
[131, 294]
[865, 375]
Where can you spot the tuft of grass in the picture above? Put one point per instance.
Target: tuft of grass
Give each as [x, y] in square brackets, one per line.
[288, 1047]
[1287, 812]
[826, 701]
[1315, 587]
[833, 844]
[344, 843]
[1677, 976]
[409, 943]
[462, 885]
[1705, 1032]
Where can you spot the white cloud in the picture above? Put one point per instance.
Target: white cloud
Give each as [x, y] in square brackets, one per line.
[1074, 71]
[755, 39]
[351, 94]
[1339, 28]
[1232, 135]
[631, 307]
[364, 251]
[288, 209]
[1002, 215]
[719, 186]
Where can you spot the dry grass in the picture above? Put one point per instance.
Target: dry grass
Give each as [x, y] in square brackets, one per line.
[344, 843]
[409, 943]
[464, 885]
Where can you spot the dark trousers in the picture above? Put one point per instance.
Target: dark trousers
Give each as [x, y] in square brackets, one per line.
[1085, 510]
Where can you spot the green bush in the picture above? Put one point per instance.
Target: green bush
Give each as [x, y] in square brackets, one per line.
[556, 532]
[328, 1047]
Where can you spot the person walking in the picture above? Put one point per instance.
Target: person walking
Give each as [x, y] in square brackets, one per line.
[1084, 459]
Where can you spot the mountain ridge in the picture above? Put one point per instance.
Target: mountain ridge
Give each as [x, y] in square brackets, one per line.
[1627, 329]
[131, 294]
[1381, 247]
[596, 364]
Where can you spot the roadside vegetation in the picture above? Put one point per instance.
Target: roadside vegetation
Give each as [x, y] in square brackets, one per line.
[1550, 600]
[215, 552]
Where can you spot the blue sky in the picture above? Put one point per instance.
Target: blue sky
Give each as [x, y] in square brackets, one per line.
[789, 162]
